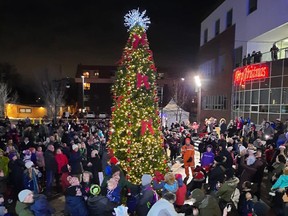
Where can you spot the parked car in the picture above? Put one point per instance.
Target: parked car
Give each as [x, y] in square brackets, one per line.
[90, 115]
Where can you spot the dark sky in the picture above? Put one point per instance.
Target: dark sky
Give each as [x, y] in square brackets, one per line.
[39, 35]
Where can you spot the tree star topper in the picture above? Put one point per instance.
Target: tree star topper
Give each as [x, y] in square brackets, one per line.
[134, 17]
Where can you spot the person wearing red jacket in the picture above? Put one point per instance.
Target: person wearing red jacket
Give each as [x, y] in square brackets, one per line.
[62, 161]
[181, 192]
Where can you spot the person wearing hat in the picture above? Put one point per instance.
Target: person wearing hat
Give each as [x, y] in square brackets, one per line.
[216, 173]
[206, 204]
[148, 197]
[188, 154]
[31, 177]
[207, 159]
[75, 161]
[50, 167]
[25, 200]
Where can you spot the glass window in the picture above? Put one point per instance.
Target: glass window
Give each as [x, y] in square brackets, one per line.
[284, 109]
[263, 108]
[205, 35]
[229, 18]
[265, 83]
[254, 117]
[275, 96]
[285, 96]
[247, 97]
[252, 6]
[276, 82]
[264, 96]
[273, 117]
[255, 85]
[255, 97]
[276, 69]
[274, 109]
[217, 27]
[241, 99]
[285, 81]
[86, 86]
[247, 108]
[254, 108]
[262, 117]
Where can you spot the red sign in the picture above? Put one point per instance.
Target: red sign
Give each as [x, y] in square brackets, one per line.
[250, 72]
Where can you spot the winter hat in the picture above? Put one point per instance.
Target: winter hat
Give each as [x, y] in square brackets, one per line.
[108, 171]
[179, 179]
[282, 146]
[146, 179]
[95, 189]
[114, 169]
[241, 148]
[230, 148]
[23, 194]
[29, 164]
[218, 159]
[11, 155]
[74, 146]
[198, 195]
[198, 176]
[229, 173]
[114, 160]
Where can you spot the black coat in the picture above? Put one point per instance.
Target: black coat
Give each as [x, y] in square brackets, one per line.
[215, 175]
[16, 173]
[50, 161]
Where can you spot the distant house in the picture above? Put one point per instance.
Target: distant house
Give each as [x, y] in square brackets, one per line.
[24, 111]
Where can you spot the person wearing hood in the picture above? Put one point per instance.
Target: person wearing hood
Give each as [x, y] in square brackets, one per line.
[206, 204]
[24, 203]
[168, 185]
[207, 158]
[226, 155]
[181, 192]
[226, 190]
[148, 196]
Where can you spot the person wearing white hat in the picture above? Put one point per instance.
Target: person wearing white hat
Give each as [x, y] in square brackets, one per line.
[26, 198]
[31, 177]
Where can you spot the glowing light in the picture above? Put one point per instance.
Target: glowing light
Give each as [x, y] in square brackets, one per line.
[134, 17]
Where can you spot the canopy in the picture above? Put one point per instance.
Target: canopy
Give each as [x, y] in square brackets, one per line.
[173, 113]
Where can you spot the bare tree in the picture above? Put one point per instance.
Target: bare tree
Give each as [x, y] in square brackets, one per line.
[180, 95]
[6, 96]
[53, 92]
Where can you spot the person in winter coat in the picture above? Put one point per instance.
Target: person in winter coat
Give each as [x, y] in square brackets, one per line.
[226, 190]
[94, 165]
[16, 167]
[181, 192]
[75, 161]
[164, 206]
[207, 159]
[61, 160]
[282, 181]
[206, 204]
[50, 167]
[74, 200]
[25, 200]
[216, 174]
[148, 196]
[4, 163]
[168, 185]
[31, 178]
[41, 206]
[188, 153]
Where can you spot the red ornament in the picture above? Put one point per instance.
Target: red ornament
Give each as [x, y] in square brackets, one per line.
[128, 83]
[113, 109]
[110, 133]
[129, 115]
[128, 142]
[147, 125]
[156, 99]
[165, 161]
[129, 133]
[128, 151]
[128, 101]
[128, 159]
[128, 92]
[129, 124]
[128, 169]
[127, 177]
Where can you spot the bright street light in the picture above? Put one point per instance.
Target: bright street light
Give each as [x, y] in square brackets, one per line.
[198, 81]
[198, 87]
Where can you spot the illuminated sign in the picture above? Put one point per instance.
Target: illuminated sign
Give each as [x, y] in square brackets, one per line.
[250, 72]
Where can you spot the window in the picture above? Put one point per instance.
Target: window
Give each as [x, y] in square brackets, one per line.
[86, 74]
[205, 35]
[86, 86]
[229, 18]
[215, 102]
[86, 98]
[208, 68]
[25, 110]
[217, 27]
[96, 73]
[252, 6]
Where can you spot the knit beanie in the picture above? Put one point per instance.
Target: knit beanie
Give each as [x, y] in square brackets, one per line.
[23, 194]
[198, 195]
[146, 179]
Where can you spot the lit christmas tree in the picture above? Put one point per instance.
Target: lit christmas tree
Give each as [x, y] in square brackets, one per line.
[135, 131]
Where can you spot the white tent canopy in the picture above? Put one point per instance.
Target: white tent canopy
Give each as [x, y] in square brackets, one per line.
[173, 113]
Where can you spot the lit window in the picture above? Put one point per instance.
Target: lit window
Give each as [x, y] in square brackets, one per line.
[86, 74]
[86, 86]
[25, 110]
[96, 73]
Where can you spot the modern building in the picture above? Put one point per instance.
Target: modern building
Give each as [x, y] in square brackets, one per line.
[229, 35]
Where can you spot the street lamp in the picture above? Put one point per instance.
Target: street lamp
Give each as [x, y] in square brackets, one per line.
[198, 89]
[82, 93]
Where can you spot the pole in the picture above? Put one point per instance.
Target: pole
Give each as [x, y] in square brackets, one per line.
[82, 93]
[199, 105]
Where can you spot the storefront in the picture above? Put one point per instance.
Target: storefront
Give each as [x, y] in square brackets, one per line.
[260, 91]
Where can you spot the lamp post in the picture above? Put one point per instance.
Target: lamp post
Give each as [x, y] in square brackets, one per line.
[198, 89]
[82, 93]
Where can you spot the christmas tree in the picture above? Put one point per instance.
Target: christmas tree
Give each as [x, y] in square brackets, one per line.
[135, 131]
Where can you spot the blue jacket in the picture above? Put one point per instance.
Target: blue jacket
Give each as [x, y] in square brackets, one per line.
[281, 182]
[76, 206]
[207, 158]
[41, 206]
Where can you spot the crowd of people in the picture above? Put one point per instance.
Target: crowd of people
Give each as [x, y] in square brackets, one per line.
[72, 158]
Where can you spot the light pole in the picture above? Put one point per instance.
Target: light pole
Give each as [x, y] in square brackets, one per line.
[198, 89]
[82, 93]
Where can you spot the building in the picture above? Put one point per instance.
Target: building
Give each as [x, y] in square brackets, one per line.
[94, 86]
[228, 36]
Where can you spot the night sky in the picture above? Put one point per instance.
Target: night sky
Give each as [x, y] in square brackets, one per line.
[56, 35]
